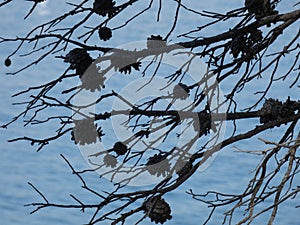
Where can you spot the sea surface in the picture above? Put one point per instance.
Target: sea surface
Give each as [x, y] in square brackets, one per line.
[49, 173]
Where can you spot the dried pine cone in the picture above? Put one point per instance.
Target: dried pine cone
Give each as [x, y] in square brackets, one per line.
[92, 79]
[244, 44]
[120, 148]
[85, 132]
[274, 109]
[158, 165]
[260, 8]
[270, 110]
[104, 33]
[110, 161]
[157, 209]
[181, 91]
[104, 7]
[79, 60]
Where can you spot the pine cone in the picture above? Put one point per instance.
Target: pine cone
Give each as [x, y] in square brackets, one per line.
[260, 8]
[124, 61]
[238, 45]
[204, 124]
[84, 132]
[274, 109]
[79, 60]
[157, 209]
[110, 161]
[92, 79]
[158, 165]
[270, 110]
[120, 148]
[104, 7]
[104, 33]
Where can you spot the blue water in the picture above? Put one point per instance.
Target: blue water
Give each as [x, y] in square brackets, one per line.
[20, 164]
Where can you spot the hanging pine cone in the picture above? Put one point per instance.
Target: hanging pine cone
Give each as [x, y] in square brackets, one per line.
[104, 33]
[110, 161]
[85, 132]
[155, 42]
[104, 7]
[92, 79]
[79, 60]
[157, 209]
[181, 91]
[120, 148]
[158, 165]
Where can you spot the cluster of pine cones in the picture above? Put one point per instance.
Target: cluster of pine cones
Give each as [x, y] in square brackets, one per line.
[244, 43]
[274, 109]
[260, 8]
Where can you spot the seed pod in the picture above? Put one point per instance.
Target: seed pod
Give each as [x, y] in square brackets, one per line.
[7, 62]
